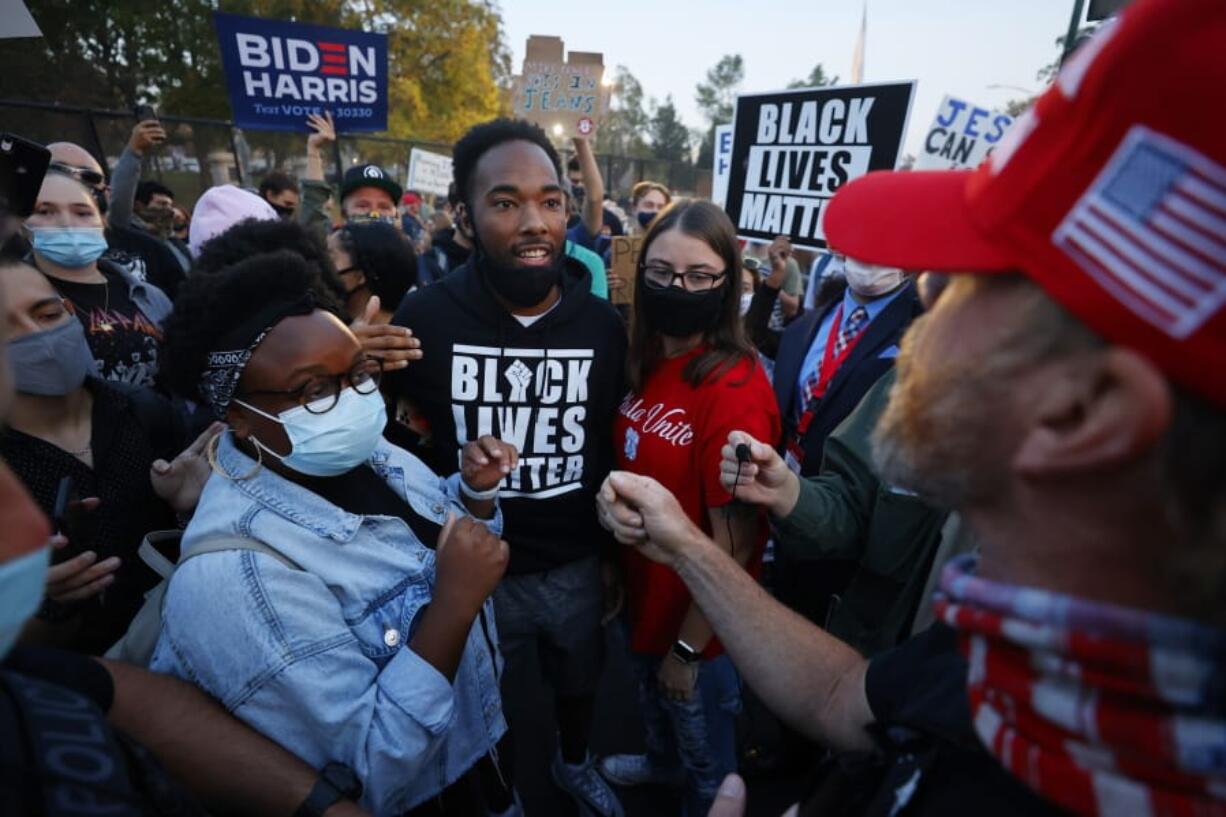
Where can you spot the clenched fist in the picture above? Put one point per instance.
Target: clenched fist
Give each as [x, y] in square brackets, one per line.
[469, 564]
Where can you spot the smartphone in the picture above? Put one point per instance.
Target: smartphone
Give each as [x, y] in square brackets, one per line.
[59, 512]
[70, 520]
[22, 166]
[144, 112]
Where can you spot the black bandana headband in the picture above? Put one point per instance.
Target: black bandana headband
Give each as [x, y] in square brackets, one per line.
[223, 369]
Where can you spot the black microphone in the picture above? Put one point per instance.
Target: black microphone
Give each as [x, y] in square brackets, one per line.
[742, 453]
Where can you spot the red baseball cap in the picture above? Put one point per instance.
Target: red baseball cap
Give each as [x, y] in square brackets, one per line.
[1110, 193]
[410, 198]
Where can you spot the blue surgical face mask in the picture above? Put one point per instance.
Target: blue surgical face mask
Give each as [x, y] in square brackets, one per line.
[53, 362]
[21, 591]
[324, 445]
[69, 247]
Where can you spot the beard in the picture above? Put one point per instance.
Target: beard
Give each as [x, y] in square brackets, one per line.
[520, 285]
[936, 434]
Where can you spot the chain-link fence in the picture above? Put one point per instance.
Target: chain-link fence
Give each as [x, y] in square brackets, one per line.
[200, 153]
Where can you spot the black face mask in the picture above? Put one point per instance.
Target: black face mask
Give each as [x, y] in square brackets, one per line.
[518, 286]
[678, 313]
[284, 212]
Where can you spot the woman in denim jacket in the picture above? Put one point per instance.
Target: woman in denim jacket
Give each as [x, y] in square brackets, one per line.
[371, 644]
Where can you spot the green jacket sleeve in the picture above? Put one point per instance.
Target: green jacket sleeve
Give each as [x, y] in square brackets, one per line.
[311, 212]
[832, 512]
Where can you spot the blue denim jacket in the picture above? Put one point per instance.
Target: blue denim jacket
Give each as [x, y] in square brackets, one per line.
[317, 659]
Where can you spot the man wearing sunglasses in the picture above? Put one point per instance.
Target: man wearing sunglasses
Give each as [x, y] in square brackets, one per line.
[143, 255]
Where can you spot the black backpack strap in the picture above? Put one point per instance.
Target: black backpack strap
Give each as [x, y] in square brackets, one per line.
[75, 758]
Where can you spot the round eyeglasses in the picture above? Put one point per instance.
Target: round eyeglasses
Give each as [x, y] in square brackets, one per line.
[320, 394]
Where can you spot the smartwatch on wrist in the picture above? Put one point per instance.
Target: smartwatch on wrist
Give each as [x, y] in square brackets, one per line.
[336, 782]
[685, 653]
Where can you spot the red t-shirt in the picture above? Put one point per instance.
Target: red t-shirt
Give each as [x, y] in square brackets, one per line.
[673, 433]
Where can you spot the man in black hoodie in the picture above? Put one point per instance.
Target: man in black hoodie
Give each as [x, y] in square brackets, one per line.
[515, 345]
[449, 248]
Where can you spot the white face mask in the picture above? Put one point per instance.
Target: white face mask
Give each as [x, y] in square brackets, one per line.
[21, 591]
[870, 280]
[328, 444]
[746, 300]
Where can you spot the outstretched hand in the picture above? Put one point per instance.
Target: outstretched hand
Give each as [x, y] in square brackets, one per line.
[325, 130]
[181, 481]
[395, 346]
[764, 480]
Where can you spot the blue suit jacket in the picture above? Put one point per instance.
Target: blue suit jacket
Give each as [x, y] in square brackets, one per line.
[872, 357]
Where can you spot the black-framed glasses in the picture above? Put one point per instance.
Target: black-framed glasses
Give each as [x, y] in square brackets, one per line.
[693, 281]
[320, 394]
[89, 178]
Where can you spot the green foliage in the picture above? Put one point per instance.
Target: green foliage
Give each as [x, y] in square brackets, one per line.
[717, 96]
[1045, 75]
[449, 63]
[670, 139]
[817, 78]
[624, 126]
[717, 99]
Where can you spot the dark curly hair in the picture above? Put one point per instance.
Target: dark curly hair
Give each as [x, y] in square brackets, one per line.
[482, 138]
[210, 306]
[253, 237]
[277, 182]
[384, 256]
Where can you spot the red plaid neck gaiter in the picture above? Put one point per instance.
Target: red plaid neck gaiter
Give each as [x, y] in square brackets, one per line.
[1101, 709]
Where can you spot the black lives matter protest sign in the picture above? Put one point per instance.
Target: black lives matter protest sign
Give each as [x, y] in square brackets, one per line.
[793, 150]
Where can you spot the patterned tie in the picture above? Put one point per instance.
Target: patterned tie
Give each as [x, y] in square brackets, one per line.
[851, 329]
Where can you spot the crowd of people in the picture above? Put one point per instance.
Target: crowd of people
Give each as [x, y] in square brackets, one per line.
[297, 485]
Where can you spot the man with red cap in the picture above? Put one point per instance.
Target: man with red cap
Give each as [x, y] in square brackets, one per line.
[1066, 395]
[410, 216]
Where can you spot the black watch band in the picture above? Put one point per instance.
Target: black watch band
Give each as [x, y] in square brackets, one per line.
[336, 782]
[685, 653]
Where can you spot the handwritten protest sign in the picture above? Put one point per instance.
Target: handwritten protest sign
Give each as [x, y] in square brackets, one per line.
[793, 150]
[722, 164]
[429, 172]
[277, 73]
[962, 135]
[566, 97]
[624, 263]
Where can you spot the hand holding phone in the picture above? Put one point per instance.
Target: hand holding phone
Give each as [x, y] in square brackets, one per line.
[148, 133]
[22, 166]
[80, 576]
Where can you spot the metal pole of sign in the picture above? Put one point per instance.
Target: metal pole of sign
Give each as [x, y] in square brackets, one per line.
[1074, 24]
[93, 133]
[238, 162]
[336, 157]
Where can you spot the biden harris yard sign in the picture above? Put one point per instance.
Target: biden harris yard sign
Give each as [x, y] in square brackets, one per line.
[277, 73]
[793, 150]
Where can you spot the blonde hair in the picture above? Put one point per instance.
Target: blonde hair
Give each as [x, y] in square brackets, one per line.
[644, 187]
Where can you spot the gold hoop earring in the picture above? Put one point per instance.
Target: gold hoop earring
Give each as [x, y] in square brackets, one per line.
[210, 452]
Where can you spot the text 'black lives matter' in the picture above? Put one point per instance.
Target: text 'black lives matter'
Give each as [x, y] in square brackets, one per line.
[535, 399]
[793, 150]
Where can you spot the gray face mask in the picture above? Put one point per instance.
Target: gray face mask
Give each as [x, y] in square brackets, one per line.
[53, 362]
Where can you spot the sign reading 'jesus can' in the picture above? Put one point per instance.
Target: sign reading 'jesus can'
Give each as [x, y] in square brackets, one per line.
[793, 150]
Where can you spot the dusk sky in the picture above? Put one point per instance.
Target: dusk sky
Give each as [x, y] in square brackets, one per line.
[959, 47]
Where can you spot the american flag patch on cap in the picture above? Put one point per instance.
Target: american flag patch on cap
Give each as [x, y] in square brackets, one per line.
[1151, 230]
